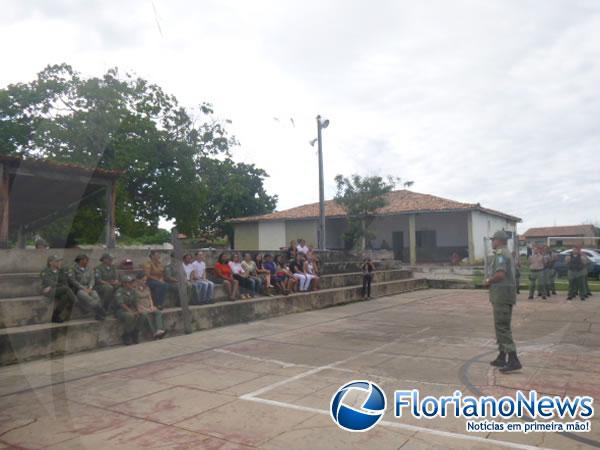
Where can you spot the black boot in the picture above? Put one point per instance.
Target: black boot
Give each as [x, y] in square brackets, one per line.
[512, 364]
[100, 313]
[134, 337]
[56, 317]
[500, 360]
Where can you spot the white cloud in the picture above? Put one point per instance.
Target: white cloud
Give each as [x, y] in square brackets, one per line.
[491, 102]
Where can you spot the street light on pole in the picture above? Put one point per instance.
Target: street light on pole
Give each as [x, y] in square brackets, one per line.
[321, 124]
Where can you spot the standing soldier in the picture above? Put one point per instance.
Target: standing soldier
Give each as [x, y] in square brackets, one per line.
[503, 297]
[517, 272]
[552, 257]
[55, 287]
[126, 309]
[536, 273]
[105, 277]
[586, 275]
[81, 279]
[577, 266]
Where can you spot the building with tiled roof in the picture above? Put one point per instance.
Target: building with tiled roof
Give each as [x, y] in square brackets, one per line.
[567, 235]
[438, 227]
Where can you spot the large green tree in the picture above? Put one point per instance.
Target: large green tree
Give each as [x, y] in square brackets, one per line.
[124, 122]
[231, 190]
[361, 197]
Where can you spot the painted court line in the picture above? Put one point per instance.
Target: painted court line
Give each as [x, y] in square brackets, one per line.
[402, 426]
[254, 397]
[270, 387]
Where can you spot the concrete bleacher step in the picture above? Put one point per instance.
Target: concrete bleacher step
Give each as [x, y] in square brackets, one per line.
[338, 267]
[34, 309]
[28, 342]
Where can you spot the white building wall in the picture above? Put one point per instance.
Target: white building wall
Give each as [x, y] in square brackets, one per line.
[485, 225]
[450, 228]
[271, 235]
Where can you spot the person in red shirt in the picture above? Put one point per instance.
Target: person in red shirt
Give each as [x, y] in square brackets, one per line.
[224, 275]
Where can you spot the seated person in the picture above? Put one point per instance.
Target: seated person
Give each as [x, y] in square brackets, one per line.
[207, 287]
[302, 247]
[288, 281]
[297, 268]
[291, 251]
[251, 269]
[247, 284]
[126, 309]
[155, 278]
[149, 314]
[171, 274]
[55, 287]
[81, 280]
[262, 271]
[224, 275]
[312, 272]
[188, 270]
[106, 280]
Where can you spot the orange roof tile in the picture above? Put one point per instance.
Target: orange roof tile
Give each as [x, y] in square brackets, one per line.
[399, 202]
[561, 231]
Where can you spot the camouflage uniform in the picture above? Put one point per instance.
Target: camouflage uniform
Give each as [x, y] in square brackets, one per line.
[130, 318]
[106, 292]
[81, 279]
[60, 293]
[503, 297]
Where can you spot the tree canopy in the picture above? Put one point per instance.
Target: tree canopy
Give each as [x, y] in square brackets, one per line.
[361, 197]
[175, 161]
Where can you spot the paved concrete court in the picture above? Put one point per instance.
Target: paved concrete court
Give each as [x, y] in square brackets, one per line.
[268, 384]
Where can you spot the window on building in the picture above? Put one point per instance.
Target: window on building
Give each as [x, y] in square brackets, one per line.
[426, 239]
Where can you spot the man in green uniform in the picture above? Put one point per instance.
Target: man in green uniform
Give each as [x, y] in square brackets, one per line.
[171, 276]
[106, 280]
[55, 287]
[551, 258]
[126, 309]
[81, 279]
[501, 281]
[536, 274]
[577, 267]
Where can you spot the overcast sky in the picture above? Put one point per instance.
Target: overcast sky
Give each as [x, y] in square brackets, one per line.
[477, 101]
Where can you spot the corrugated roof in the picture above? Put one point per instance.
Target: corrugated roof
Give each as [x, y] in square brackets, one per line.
[59, 166]
[399, 202]
[562, 231]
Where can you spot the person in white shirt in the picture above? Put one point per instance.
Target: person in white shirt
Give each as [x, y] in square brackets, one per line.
[207, 287]
[188, 268]
[302, 247]
[242, 276]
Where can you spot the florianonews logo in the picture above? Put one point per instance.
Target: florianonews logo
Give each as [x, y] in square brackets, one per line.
[358, 405]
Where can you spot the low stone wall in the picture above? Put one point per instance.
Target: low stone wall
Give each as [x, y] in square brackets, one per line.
[31, 260]
[31, 342]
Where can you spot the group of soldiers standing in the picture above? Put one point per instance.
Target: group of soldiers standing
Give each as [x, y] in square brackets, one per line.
[542, 273]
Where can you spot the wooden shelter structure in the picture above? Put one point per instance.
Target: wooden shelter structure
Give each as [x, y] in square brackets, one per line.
[35, 192]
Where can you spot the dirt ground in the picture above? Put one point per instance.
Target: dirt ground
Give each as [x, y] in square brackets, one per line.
[269, 384]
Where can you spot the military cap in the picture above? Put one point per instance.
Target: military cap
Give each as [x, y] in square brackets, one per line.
[53, 258]
[500, 235]
[80, 257]
[106, 256]
[126, 278]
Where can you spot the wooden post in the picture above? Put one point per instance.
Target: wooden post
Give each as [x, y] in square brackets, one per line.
[470, 237]
[111, 199]
[412, 238]
[182, 287]
[4, 206]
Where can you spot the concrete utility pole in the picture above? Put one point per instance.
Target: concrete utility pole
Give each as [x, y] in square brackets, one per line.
[321, 123]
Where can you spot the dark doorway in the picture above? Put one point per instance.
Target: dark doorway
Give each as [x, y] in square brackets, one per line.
[398, 244]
